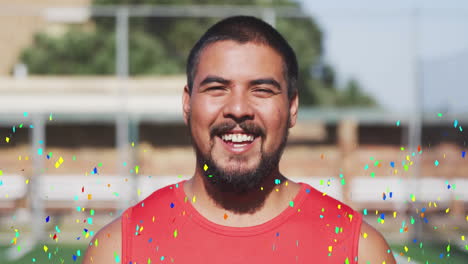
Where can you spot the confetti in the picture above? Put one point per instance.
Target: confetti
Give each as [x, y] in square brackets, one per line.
[58, 163]
[47, 219]
[436, 163]
[455, 123]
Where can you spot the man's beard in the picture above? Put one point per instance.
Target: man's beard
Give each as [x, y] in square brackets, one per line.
[239, 180]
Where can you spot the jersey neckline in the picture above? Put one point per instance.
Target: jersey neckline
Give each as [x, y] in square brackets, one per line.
[240, 231]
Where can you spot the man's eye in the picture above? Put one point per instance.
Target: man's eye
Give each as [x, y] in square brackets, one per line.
[214, 88]
[263, 90]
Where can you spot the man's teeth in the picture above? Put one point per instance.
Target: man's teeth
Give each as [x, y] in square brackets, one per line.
[237, 137]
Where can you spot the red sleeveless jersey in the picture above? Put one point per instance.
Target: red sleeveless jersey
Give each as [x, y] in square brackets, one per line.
[166, 228]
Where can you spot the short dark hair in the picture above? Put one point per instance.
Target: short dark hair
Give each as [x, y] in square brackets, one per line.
[245, 29]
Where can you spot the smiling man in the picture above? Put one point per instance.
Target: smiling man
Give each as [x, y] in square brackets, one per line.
[239, 103]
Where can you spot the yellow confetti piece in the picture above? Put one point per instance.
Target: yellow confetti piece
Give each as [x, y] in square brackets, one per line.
[447, 210]
[339, 206]
[463, 238]
[137, 168]
[194, 199]
[406, 249]
[59, 162]
[330, 248]
[27, 181]
[96, 243]
[45, 248]
[1, 172]
[139, 192]
[364, 235]
[153, 218]
[205, 168]
[394, 214]
[7, 139]
[90, 196]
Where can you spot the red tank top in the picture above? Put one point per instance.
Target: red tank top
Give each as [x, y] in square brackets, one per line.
[166, 228]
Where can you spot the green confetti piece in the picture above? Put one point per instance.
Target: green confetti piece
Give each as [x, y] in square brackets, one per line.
[439, 114]
[100, 164]
[436, 163]
[175, 233]
[346, 261]
[398, 123]
[448, 248]
[116, 257]
[291, 203]
[372, 174]
[343, 182]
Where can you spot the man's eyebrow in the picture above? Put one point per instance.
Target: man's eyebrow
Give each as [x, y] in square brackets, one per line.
[214, 79]
[269, 81]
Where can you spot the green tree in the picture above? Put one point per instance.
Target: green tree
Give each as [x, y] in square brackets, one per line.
[160, 46]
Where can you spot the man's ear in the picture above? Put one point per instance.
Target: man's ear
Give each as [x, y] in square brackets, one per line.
[186, 104]
[293, 109]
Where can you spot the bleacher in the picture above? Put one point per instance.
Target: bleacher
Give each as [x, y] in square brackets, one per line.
[64, 193]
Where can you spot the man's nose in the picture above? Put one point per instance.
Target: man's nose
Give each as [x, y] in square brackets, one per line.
[238, 107]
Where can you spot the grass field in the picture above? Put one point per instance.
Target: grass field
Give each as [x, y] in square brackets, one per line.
[63, 253]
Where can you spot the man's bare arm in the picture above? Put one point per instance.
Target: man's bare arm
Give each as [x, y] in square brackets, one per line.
[106, 246]
[373, 248]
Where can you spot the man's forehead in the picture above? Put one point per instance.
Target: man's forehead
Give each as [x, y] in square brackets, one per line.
[227, 59]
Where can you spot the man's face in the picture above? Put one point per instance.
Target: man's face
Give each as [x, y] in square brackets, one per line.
[238, 111]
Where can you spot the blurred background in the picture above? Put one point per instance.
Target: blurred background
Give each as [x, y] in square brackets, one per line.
[91, 121]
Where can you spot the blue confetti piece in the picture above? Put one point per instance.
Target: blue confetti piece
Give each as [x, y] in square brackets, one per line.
[382, 216]
[48, 156]
[441, 255]
[448, 186]
[47, 219]
[463, 154]
[172, 205]
[74, 258]
[423, 209]
[94, 171]
[384, 197]
[307, 190]
[392, 164]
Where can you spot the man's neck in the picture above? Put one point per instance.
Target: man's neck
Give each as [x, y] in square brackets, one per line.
[268, 202]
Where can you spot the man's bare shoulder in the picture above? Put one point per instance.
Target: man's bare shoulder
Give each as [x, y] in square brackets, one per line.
[106, 246]
[372, 246]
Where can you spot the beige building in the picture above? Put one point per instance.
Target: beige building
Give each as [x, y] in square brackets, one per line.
[20, 20]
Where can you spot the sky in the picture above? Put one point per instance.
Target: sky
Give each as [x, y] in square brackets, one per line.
[390, 48]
